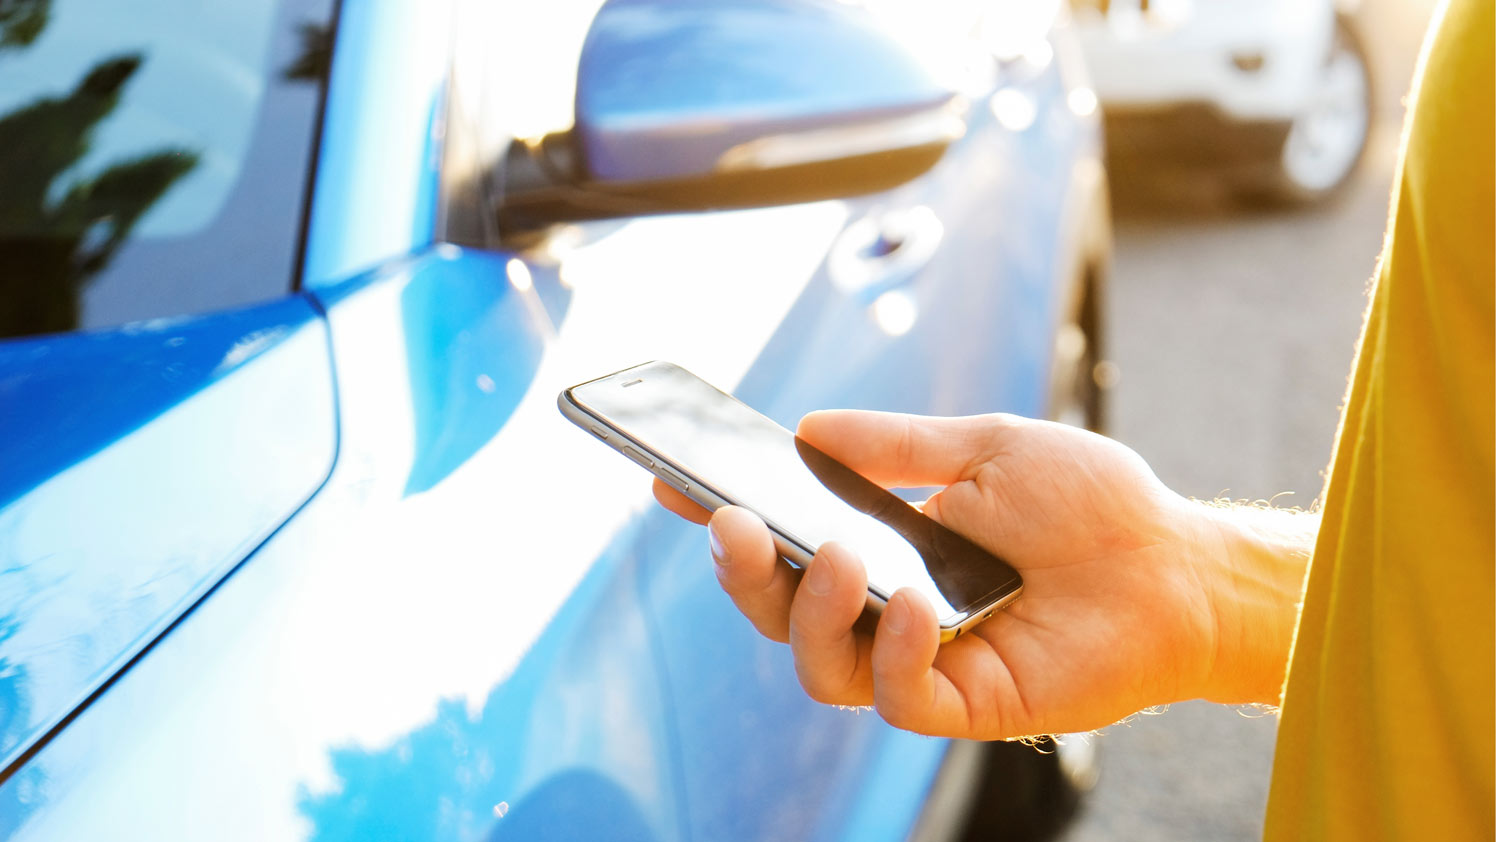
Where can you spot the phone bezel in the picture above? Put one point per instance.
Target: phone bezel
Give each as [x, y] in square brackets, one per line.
[794, 550]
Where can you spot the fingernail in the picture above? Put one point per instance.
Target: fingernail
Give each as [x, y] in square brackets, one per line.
[896, 615]
[820, 578]
[719, 552]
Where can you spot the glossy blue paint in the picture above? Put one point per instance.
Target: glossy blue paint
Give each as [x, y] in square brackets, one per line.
[885, 800]
[472, 356]
[393, 663]
[760, 760]
[444, 778]
[66, 396]
[480, 627]
[148, 460]
[664, 88]
[378, 166]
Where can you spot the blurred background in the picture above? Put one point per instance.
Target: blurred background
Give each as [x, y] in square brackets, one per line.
[1234, 329]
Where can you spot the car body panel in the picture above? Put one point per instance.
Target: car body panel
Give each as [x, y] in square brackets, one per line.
[481, 627]
[376, 187]
[147, 462]
[390, 659]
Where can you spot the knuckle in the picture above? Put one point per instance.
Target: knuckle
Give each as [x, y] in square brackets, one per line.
[904, 447]
[731, 583]
[807, 630]
[768, 621]
[905, 718]
[774, 632]
[894, 714]
[886, 676]
[742, 578]
[769, 624]
[816, 692]
[821, 689]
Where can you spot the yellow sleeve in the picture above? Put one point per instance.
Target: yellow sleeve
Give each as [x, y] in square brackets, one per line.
[1389, 705]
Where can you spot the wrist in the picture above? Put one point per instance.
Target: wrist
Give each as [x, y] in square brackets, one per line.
[1254, 562]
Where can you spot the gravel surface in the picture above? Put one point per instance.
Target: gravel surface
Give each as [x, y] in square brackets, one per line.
[1234, 332]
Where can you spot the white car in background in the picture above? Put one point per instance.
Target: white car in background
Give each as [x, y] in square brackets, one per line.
[1274, 94]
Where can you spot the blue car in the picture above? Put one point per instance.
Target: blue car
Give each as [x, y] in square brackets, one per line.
[293, 542]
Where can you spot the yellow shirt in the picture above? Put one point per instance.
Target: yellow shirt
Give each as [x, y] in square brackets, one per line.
[1388, 712]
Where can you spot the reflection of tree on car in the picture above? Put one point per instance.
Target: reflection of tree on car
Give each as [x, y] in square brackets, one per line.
[22, 20]
[62, 227]
[316, 54]
[50, 249]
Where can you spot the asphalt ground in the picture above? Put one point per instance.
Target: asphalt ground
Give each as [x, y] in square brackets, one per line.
[1234, 331]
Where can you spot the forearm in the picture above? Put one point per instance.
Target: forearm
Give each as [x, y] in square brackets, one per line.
[1254, 564]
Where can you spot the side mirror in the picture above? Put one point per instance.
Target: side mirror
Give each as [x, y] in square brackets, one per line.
[731, 104]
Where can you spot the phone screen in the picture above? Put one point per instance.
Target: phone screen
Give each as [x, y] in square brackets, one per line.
[805, 495]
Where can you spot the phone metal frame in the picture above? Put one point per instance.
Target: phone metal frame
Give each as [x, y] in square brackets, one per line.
[704, 495]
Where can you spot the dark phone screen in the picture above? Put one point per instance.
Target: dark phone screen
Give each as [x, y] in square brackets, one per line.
[751, 461]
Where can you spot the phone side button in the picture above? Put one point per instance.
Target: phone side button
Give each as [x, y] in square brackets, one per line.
[672, 479]
[637, 456]
[599, 432]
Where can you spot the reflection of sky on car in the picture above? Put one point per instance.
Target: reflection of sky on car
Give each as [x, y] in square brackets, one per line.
[202, 99]
[537, 46]
[716, 324]
[334, 669]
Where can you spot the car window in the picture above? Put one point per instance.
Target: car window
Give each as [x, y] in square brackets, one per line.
[156, 155]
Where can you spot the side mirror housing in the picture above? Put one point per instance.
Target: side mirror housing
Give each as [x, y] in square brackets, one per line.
[739, 103]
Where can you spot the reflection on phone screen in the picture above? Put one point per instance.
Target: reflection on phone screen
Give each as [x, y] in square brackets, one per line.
[807, 496]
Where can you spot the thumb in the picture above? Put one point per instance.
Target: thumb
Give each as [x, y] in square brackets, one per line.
[907, 451]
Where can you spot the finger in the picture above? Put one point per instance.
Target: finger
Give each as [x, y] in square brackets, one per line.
[907, 689]
[906, 451]
[750, 570]
[680, 503]
[831, 658]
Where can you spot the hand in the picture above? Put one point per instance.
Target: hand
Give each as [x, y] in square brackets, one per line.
[1130, 591]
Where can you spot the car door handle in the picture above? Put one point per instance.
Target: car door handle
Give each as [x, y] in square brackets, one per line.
[883, 250]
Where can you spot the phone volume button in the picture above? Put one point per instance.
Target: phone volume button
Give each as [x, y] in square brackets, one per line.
[637, 457]
[672, 479]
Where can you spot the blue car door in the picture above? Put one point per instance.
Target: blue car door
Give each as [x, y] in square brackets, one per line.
[447, 640]
[143, 453]
[141, 465]
[379, 588]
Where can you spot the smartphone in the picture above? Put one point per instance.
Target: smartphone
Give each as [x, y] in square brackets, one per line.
[717, 451]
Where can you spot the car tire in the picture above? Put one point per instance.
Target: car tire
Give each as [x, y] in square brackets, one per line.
[1325, 144]
[1029, 793]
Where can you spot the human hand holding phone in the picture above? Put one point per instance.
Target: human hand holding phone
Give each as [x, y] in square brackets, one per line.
[1134, 596]
[717, 452]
